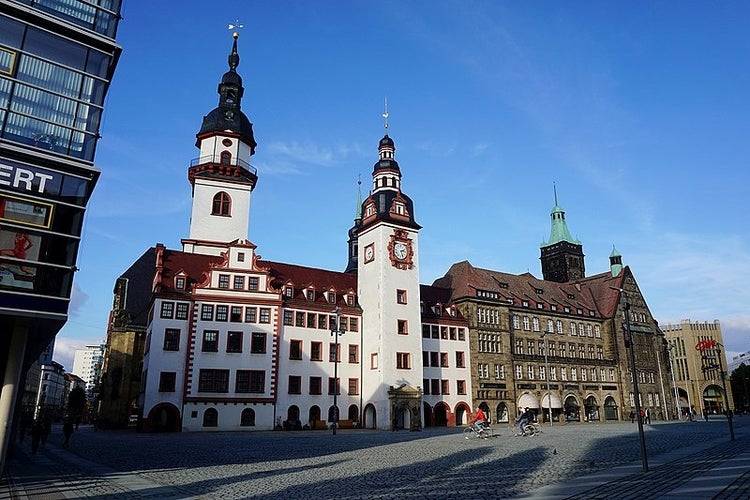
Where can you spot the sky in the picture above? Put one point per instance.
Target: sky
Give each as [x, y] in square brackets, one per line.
[635, 112]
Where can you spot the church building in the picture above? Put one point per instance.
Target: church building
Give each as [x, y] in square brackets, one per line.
[215, 337]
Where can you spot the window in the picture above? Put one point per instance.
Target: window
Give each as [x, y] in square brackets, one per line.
[295, 384]
[444, 332]
[461, 334]
[445, 387]
[250, 314]
[535, 324]
[353, 324]
[444, 359]
[250, 381]
[240, 256]
[331, 297]
[334, 386]
[258, 343]
[252, 284]
[516, 322]
[333, 353]
[434, 359]
[353, 387]
[207, 312]
[247, 419]
[519, 346]
[526, 323]
[574, 373]
[288, 292]
[461, 387]
[210, 341]
[530, 347]
[374, 361]
[559, 326]
[530, 372]
[288, 318]
[403, 329]
[167, 381]
[299, 319]
[179, 283]
[401, 296]
[167, 309]
[572, 328]
[236, 314]
[210, 418]
[265, 315]
[597, 332]
[182, 310]
[223, 281]
[222, 313]
[483, 370]
[322, 321]
[435, 386]
[553, 373]
[519, 372]
[316, 386]
[295, 349]
[403, 361]
[222, 204]
[310, 294]
[239, 282]
[213, 381]
[234, 342]
[226, 158]
[316, 351]
[460, 359]
[353, 353]
[311, 317]
[172, 339]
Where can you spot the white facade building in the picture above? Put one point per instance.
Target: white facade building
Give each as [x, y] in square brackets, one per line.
[236, 342]
[87, 364]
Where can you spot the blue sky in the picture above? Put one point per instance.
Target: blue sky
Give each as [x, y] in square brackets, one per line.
[636, 111]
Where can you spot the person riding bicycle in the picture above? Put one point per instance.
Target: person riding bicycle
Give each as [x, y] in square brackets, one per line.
[525, 417]
[479, 420]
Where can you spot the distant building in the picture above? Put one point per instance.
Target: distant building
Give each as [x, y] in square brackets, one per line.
[51, 392]
[87, 364]
[738, 360]
[698, 372]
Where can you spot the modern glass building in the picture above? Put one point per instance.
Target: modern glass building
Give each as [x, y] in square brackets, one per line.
[57, 59]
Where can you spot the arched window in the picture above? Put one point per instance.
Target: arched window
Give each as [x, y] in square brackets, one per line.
[226, 158]
[222, 204]
[210, 418]
[248, 418]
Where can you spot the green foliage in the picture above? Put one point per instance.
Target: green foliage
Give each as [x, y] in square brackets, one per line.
[77, 401]
[740, 383]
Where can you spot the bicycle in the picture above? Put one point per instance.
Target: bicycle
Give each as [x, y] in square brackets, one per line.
[484, 432]
[529, 429]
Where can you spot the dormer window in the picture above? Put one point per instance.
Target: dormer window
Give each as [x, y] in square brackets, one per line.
[222, 204]
[331, 297]
[350, 299]
[288, 292]
[310, 294]
[179, 283]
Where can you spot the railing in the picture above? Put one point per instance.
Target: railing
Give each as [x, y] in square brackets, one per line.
[235, 162]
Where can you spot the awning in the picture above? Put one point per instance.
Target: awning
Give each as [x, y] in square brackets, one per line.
[528, 401]
[551, 398]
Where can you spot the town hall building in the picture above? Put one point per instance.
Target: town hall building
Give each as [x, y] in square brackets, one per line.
[214, 337]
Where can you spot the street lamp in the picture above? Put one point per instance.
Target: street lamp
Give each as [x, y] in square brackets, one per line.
[712, 345]
[336, 332]
[630, 344]
[546, 376]
[674, 383]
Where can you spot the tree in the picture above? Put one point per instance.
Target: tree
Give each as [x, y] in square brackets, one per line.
[740, 382]
[76, 401]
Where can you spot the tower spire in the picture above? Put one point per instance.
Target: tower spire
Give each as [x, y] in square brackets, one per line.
[385, 117]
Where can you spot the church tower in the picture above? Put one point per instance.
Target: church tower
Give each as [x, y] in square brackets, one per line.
[562, 256]
[222, 177]
[388, 287]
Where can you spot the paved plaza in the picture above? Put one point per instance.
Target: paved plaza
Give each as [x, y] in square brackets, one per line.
[582, 460]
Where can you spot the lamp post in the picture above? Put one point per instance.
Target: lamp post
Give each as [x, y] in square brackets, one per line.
[708, 365]
[630, 345]
[336, 332]
[674, 384]
[546, 377]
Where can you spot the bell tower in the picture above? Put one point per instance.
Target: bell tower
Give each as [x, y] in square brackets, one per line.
[222, 177]
[562, 256]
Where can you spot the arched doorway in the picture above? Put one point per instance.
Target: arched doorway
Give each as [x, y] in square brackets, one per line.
[551, 400]
[211, 418]
[713, 399]
[247, 418]
[572, 409]
[313, 416]
[370, 417]
[501, 413]
[164, 417]
[292, 418]
[463, 414]
[527, 400]
[353, 413]
[441, 415]
[610, 408]
[592, 409]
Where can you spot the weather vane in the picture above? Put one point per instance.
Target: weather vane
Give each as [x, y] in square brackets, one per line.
[385, 115]
[236, 26]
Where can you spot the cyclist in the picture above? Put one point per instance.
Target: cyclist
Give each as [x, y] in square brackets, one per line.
[525, 417]
[479, 420]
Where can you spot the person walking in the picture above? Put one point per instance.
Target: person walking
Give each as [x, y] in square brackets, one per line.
[67, 432]
[36, 435]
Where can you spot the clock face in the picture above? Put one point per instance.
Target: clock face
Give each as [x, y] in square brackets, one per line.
[400, 250]
[369, 253]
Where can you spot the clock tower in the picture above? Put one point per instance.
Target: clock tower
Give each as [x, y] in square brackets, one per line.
[562, 256]
[388, 288]
[222, 177]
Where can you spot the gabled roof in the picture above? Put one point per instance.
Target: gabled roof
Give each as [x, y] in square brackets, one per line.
[431, 296]
[589, 294]
[303, 276]
[195, 266]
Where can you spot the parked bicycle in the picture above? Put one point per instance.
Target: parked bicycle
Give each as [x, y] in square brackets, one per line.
[485, 431]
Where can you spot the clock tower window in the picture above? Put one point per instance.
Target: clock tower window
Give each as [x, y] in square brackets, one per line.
[226, 158]
[222, 204]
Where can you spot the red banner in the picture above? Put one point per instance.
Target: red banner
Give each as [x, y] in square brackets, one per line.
[705, 344]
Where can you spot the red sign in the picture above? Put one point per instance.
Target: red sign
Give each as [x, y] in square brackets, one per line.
[705, 344]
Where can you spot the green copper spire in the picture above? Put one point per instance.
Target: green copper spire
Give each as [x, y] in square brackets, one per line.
[358, 214]
[559, 231]
[615, 262]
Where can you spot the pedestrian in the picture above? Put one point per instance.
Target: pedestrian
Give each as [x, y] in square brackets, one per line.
[46, 429]
[648, 416]
[642, 416]
[67, 432]
[632, 416]
[36, 435]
